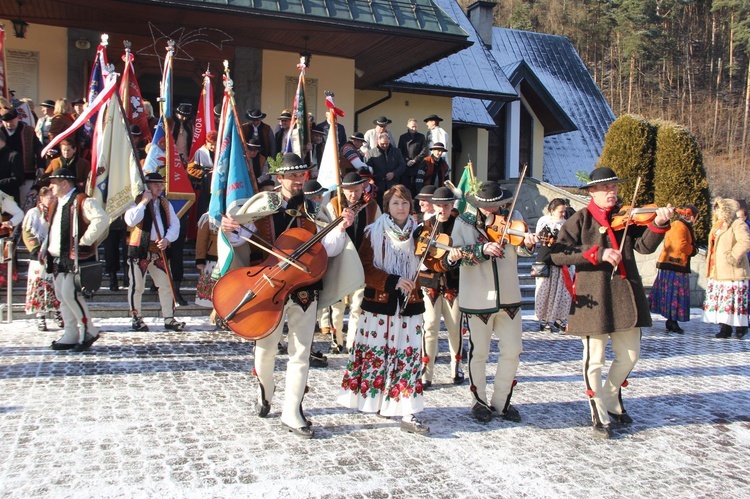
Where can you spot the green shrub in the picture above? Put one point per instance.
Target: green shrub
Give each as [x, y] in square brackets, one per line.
[629, 151]
[679, 174]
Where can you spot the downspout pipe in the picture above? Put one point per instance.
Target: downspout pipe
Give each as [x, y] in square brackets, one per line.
[368, 107]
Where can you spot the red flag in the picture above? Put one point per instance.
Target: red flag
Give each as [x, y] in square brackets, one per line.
[204, 122]
[132, 100]
[3, 80]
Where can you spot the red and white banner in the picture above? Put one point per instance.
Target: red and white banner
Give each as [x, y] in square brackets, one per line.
[204, 117]
[3, 79]
[132, 100]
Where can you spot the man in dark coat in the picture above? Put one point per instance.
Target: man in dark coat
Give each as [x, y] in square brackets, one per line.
[22, 138]
[413, 147]
[387, 165]
[11, 170]
[605, 305]
[256, 128]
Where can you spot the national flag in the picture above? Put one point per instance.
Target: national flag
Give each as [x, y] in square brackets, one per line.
[299, 136]
[204, 117]
[329, 174]
[179, 190]
[3, 78]
[99, 72]
[118, 173]
[231, 186]
[110, 85]
[466, 185]
[132, 100]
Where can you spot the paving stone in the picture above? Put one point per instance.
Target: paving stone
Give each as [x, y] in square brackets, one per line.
[166, 414]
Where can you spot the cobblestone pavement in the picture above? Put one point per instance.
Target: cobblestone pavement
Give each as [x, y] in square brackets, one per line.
[163, 414]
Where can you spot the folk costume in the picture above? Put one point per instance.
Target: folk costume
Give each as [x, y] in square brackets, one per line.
[144, 256]
[262, 132]
[271, 216]
[670, 294]
[206, 254]
[40, 288]
[551, 296]
[351, 157]
[13, 215]
[77, 225]
[433, 170]
[440, 283]
[728, 272]
[383, 372]
[604, 307]
[356, 232]
[437, 134]
[80, 166]
[491, 299]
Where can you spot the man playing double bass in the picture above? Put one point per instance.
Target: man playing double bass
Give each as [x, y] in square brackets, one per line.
[301, 308]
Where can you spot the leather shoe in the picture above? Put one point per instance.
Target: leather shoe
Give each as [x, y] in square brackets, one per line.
[317, 359]
[623, 419]
[481, 413]
[740, 332]
[602, 431]
[724, 332]
[303, 432]
[426, 385]
[511, 414]
[263, 408]
[87, 342]
[459, 378]
[62, 346]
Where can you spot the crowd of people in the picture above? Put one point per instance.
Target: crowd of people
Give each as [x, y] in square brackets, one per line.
[388, 219]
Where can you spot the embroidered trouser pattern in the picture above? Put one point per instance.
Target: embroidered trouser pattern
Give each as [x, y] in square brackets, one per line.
[137, 273]
[605, 396]
[452, 317]
[508, 331]
[74, 310]
[299, 339]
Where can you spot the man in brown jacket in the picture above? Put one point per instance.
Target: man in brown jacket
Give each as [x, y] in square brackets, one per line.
[605, 305]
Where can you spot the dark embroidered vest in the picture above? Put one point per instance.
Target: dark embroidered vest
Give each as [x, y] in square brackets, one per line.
[140, 237]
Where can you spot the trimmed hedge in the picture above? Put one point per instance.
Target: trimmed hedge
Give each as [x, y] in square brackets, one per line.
[679, 174]
[629, 150]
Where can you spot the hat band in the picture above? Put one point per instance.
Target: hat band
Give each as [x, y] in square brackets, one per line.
[488, 200]
[608, 179]
[442, 200]
[283, 169]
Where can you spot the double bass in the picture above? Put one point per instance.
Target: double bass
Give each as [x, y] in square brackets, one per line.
[251, 299]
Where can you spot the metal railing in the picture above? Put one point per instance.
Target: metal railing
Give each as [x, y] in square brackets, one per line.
[6, 256]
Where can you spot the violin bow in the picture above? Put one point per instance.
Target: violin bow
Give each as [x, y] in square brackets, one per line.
[627, 223]
[513, 204]
[278, 253]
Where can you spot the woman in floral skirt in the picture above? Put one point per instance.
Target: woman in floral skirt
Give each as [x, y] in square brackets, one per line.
[40, 290]
[384, 371]
[670, 294]
[726, 300]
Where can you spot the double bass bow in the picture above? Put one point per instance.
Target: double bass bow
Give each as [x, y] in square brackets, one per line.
[251, 299]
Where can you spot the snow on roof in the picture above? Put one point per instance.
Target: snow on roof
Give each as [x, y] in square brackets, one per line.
[558, 66]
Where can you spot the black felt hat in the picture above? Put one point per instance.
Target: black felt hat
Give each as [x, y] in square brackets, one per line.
[603, 175]
[185, 108]
[48, 103]
[357, 136]
[313, 188]
[78, 101]
[438, 145]
[255, 114]
[351, 179]
[154, 178]
[433, 117]
[290, 163]
[443, 195]
[426, 192]
[490, 194]
[9, 114]
[382, 121]
[63, 174]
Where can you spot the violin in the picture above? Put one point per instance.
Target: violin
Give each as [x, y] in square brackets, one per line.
[515, 233]
[251, 299]
[437, 248]
[638, 216]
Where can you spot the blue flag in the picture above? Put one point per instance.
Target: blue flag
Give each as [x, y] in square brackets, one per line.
[230, 188]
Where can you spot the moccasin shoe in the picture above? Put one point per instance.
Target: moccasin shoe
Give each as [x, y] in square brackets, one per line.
[481, 413]
[263, 408]
[56, 345]
[87, 342]
[602, 431]
[459, 378]
[414, 426]
[303, 432]
[511, 414]
[622, 419]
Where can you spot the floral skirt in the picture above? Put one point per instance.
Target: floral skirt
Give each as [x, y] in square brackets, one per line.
[551, 297]
[726, 302]
[384, 372]
[205, 289]
[670, 295]
[40, 291]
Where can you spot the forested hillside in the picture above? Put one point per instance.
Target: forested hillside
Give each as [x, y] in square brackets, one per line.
[680, 60]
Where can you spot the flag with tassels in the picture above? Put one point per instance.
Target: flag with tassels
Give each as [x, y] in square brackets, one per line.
[204, 117]
[118, 173]
[299, 130]
[467, 184]
[99, 72]
[231, 187]
[179, 190]
[130, 94]
[329, 174]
